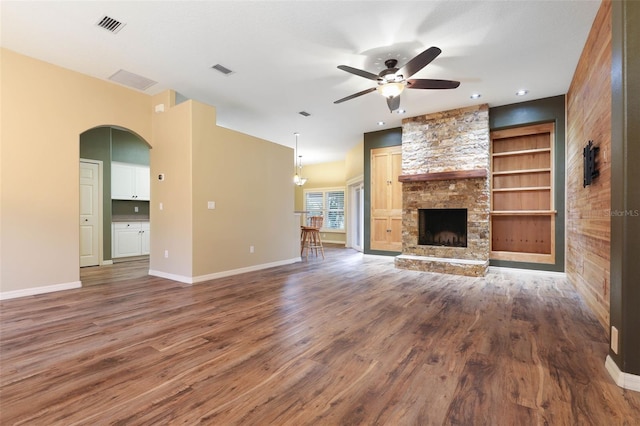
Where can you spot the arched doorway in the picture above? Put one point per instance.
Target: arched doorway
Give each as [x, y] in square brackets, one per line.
[121, 160]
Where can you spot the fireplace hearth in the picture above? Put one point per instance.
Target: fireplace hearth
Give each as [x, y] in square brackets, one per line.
[442, 227]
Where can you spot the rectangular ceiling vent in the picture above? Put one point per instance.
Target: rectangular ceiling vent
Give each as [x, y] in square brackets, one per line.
[224, 70]
[110, 24]
[304, 113]
[132, 80]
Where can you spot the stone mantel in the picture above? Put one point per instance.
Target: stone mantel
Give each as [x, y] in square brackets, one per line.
[452, 175]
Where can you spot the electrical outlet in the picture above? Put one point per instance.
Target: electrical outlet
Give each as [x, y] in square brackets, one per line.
[161, 206]
[251, 249]
[614, 339]
[135, 209]
[166, 254]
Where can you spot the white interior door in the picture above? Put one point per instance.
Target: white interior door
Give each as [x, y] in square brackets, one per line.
[89, 214]
[357, 217]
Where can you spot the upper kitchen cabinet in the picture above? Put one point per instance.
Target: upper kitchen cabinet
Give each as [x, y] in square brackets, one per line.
[130, 182]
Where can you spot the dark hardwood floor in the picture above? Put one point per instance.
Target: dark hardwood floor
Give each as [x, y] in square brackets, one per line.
[345, 341]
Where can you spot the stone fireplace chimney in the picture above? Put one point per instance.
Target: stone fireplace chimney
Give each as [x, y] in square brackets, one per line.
[445, 163]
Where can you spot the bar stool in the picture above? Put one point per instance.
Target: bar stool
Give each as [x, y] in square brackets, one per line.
[310, 237]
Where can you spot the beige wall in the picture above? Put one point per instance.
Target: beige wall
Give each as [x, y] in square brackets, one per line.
[45, 108]
[171, 227]
[249, 179]
[49, 107]
[354, 162]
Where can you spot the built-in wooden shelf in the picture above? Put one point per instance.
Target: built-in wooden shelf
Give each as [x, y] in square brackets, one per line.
[521, 152]
[518, 172]
[527, 188]
[453, 175]
[524, 212]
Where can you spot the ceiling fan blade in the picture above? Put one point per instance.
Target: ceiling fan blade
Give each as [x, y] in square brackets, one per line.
[361, 73]
[355, 95]
[419, 62]
[427, 83]
[393, 103]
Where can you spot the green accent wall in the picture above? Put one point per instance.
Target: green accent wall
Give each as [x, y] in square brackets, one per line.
[625, 183]
[128, 148]
[373, 140]
[127, 208]
[109, 144]
[532, 112]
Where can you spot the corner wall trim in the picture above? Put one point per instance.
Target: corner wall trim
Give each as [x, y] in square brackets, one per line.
[14, 294]
[624, 380]
[215, 275]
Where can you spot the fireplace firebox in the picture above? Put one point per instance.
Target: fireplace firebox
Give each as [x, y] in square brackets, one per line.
[442, 227]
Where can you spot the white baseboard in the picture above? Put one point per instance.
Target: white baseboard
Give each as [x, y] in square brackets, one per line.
[172, 277]
[107, 262]
[14, 294]
[222, 274]
[624, 380]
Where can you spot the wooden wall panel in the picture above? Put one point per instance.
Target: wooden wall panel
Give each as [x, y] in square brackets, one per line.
[588, 214]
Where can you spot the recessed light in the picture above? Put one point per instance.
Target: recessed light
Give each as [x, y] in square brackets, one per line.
[380, 123]
[522, 92]
[475, 95]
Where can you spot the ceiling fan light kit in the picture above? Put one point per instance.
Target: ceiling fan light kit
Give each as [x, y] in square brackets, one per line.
[392, 81]
[389, 90]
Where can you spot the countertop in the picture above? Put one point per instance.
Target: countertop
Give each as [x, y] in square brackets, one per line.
[129, 218]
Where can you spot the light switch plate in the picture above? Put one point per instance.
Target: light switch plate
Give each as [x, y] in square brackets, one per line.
[211, 205]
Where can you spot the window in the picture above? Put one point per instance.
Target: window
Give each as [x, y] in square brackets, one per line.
[328, 203]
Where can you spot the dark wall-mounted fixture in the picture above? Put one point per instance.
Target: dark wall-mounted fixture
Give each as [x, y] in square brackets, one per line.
[590, 172]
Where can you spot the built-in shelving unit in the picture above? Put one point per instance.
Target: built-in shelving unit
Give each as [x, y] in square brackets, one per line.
[522, 210]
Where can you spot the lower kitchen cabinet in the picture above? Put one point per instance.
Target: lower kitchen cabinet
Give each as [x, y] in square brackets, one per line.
[130, 239]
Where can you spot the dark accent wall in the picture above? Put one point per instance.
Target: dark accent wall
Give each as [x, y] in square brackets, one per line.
[373, 140]
[625, 183]
[545, 110]
[128, 148]
[127, 208]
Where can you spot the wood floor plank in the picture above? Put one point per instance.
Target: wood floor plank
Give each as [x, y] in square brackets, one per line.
[345, 340]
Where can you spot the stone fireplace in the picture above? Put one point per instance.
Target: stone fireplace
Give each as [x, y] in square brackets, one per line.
[445, 192]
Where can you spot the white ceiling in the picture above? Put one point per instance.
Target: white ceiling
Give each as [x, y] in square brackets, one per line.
[284, 55]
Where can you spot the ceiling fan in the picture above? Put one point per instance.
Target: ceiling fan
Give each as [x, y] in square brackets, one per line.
[392, 81]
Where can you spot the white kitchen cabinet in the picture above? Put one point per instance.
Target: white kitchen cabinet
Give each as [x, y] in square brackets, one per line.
[130, 239]
[145, 242]
[130, 182]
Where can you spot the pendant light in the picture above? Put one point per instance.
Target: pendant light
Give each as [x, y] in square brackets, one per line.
[298, 179]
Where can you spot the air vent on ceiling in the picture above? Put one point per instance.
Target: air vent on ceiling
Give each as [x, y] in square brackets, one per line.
[110, 24]
[224, 70]
[304, 113]
[132, 80]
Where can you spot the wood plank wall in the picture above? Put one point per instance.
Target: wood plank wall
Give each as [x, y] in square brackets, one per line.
[588, 209]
